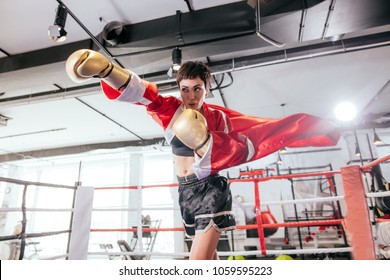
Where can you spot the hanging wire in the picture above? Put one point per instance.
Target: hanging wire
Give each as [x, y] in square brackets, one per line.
[219, 84]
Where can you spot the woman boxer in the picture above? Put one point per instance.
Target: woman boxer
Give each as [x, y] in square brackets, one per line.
[205, 139]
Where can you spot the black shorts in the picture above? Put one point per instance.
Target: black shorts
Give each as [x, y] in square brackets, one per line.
[205, 203]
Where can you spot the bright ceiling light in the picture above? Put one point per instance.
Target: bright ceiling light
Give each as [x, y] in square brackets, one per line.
[345, 111]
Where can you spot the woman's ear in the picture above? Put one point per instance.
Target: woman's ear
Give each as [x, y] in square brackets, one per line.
[208, 89]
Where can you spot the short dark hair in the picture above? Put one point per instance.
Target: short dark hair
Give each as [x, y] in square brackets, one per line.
[192, 70]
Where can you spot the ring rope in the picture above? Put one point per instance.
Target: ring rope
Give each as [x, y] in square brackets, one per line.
[134, 209]
[304, 200]
[378, 194]
[23, 235]
[28, 183]
[289, 224]
[136, 187]
[287, 176]
[231, 253]
[257, 179]
[278, 202]
[32, 235]
[367, 167]
[37, 209]
[49, 233]
[276, 225]
[381, 220]
[55, 257]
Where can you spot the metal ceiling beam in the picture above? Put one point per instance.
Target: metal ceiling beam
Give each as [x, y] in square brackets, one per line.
[322, 48]
[42, 57]
[186, 28]
[233, 25]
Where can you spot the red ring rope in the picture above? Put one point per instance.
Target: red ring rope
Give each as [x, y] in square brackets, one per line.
[277, 225]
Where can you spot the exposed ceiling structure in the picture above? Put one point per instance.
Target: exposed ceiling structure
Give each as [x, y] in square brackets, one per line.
[308, 55]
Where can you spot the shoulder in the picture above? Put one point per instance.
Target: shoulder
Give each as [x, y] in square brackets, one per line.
[163, 103]
[216, 118]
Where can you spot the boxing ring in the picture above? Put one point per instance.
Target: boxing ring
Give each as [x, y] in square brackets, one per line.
[356, 224]
[20, 239]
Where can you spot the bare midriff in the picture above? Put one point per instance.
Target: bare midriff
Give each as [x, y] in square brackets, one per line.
[183, 165]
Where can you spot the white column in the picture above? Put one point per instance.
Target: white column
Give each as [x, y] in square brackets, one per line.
[79, 239]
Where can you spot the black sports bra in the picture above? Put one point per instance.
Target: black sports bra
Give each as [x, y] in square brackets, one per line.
[179, 149]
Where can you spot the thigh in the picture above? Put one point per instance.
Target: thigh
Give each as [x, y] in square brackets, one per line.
[204, 244]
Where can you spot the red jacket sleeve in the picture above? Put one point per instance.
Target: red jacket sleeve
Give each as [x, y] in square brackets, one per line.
[250, 138]
[141, 92]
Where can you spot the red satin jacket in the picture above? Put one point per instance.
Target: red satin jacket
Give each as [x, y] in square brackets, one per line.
[235, 138]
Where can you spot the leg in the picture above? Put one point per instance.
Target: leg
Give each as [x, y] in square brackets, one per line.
[204, 245]
[215, 256]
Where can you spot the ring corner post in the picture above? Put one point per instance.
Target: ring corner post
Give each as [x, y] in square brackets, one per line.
[357, 218]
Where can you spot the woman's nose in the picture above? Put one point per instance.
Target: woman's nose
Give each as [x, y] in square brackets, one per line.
[192, 95]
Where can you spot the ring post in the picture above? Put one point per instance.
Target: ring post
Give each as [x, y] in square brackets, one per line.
[357, 219]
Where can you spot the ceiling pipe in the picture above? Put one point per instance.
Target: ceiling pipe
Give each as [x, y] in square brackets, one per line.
[290, 56]
[219, 67]
[261, 35]
[303, 21]
[187, 28]
[277, 18]
[328, 16]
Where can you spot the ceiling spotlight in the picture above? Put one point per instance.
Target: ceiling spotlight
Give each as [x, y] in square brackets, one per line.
[377, 140]
[57, 31]
[4, 120]
[279, 161]
[176, 59]
[283, 150]
[357, 150]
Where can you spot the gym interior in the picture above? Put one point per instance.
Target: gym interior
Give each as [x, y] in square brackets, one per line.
[85, 178]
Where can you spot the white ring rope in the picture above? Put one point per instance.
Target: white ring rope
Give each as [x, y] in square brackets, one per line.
[304, 200]
[37, 209]
[134, 209]
[28, 183]
[54, 257]
[231, 253]
[378, 194]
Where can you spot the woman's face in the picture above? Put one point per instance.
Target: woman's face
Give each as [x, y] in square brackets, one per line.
[193, 92]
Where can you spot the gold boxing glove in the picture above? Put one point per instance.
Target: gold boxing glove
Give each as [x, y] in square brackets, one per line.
[191, 129]
[85, 64]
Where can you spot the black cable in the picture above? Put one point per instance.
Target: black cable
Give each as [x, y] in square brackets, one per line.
[107, 117]
[218, 83]
[189, 6]
[4, 52]
[231, 81]
[93, 38]
[218, 87]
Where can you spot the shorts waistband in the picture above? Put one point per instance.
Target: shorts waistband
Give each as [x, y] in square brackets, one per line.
[187, 179]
